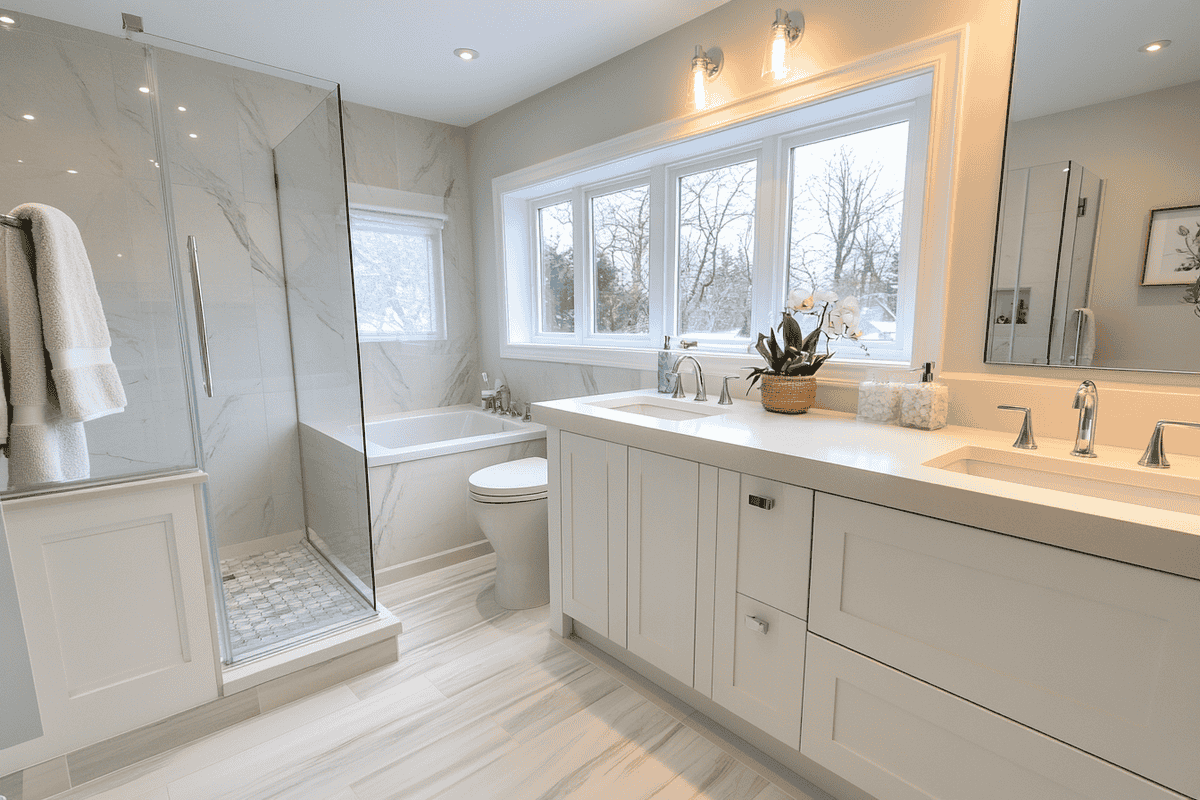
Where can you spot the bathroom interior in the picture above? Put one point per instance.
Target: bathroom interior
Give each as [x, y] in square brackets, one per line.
[300, 443]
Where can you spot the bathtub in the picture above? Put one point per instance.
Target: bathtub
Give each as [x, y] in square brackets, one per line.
[418, 463]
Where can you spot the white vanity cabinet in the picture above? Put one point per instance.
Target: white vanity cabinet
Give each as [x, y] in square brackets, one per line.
[764, 532]
[592, 476]
[1098, 654]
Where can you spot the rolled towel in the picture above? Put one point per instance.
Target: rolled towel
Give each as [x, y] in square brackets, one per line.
[74, 330]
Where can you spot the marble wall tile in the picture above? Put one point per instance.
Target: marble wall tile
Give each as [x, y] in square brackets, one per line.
[283, 439]
[205, 88]
[370, 146]
[420, 508]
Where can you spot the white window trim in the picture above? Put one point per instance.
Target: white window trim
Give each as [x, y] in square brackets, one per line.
[941, 57]
[420, 211]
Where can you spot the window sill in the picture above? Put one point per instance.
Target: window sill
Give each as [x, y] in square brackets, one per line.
[839, 373]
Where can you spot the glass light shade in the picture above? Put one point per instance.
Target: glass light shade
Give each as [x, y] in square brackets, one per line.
[784, 35]
[699, 95]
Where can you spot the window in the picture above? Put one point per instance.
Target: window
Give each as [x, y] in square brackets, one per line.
[398, 287]
[704, 237]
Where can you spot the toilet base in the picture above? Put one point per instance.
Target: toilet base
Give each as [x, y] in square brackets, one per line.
[519, 535]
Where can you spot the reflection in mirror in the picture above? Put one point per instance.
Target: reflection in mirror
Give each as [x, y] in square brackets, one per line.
[1101, 133]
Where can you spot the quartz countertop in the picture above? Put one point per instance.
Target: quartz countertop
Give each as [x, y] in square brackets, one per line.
[832, 452]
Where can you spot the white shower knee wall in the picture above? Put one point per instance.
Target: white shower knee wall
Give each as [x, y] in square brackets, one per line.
[422, 508]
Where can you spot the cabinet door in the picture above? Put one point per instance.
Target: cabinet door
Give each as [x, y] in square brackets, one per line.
[592, 474]
[113, 592]
[903, 739]
[1099, 654]
[773, 543]
[664, 494]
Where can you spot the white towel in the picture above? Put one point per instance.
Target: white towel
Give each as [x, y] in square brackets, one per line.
[1087, 341]
[74, 329]
[42, 446]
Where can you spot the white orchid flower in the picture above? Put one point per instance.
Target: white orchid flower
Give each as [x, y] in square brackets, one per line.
[849, 312]
[798, 302]
[824, 297]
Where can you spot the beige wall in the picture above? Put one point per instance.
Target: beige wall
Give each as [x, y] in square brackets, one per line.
[1144, 148]
[646, 86]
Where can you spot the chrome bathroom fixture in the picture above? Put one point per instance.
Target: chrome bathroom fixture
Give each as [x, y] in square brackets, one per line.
[1025, 439]
[725, 400]
[1087, 400]
[1155, 457]
[700, 397]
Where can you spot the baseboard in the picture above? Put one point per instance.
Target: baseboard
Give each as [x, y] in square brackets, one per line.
[419, 566]
[256, 546]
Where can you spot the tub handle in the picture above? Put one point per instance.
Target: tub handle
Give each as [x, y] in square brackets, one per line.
[201, 329]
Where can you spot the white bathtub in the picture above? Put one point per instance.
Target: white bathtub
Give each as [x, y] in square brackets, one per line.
[418, 466]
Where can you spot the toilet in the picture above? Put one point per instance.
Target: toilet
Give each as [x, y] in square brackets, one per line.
[509, 502]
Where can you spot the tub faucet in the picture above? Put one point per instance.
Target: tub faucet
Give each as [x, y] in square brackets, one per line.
[700, 395]
[1088, 402]
[503, 399]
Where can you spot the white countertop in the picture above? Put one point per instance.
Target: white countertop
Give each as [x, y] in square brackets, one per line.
[832, 452]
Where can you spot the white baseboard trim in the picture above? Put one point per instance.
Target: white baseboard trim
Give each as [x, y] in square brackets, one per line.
[256, 546]
[419, 566]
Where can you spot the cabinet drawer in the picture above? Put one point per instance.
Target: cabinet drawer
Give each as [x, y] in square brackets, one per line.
[758, 672]
[774, 543]
[1099, 654]
[903, 739]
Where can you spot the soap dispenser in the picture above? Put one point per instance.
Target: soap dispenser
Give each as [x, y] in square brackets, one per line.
[926, 404]
[664, 366]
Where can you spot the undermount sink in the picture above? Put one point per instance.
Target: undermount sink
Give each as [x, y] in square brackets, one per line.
[660, 408]
[1152, 490]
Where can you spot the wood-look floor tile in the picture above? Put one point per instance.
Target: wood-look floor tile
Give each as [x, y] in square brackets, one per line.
[320, 758]
[157, 772]
[528, 716]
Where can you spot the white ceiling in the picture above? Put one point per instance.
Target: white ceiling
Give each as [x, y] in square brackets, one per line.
[398, 54]
[1074, 53]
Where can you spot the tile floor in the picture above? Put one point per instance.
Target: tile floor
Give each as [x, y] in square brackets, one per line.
[483, 703]
[274, 596]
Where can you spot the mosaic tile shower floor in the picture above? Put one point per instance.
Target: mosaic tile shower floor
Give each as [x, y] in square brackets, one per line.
[280, 594]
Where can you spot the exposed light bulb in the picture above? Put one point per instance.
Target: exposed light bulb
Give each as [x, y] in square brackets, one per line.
[699, 95]
[778, 50]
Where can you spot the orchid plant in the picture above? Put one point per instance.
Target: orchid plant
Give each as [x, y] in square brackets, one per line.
[836, 319]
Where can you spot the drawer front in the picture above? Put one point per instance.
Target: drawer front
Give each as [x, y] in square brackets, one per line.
[758, 671]
[774, 543]
[1099, 654]
[903, 739]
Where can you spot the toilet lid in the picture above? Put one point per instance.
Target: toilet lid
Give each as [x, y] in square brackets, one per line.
[510, 479]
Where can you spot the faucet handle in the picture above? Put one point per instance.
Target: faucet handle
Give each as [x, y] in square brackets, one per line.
[1155, 457]
[725, 400]
[1025, 437]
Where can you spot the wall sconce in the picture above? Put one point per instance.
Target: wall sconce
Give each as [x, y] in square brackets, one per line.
[784, 34]
[704, 69]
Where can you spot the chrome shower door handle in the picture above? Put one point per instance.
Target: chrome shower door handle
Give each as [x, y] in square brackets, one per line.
[201, 329]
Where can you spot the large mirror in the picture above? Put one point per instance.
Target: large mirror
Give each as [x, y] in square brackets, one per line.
[1097, 257]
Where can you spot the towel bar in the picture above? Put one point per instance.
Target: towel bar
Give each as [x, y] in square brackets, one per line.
[11, 221]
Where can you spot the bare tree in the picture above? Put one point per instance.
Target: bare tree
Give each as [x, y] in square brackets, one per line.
[621, 241]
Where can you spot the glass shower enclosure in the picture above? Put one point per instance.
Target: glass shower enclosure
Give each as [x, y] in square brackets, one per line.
[210, 195]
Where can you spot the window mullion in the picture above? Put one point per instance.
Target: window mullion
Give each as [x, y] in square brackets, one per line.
[661, 322]
[584, 280]
[770, 267]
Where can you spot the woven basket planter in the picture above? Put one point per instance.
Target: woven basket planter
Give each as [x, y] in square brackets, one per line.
[788, 394]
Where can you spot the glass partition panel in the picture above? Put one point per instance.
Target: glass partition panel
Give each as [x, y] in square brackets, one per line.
[315, 232]
[78, 136]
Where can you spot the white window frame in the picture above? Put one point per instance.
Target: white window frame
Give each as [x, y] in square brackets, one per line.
[421, 213]
[929, 68]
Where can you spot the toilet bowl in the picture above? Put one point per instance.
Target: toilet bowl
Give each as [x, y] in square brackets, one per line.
[509, 503]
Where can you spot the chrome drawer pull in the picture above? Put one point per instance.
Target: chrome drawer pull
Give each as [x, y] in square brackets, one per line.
[756, 624]
[765, 503]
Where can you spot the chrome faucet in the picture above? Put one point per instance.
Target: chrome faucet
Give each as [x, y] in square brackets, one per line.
[1088, 402]
[700, 395]
[1154, 455]
[503, 399]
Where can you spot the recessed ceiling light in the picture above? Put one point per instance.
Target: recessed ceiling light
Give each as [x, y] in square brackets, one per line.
[28, 116]
[1154, 47]
[194, 135]
[7, 20]
[144, 89]
[182, 108]
[466, 53]
[73, 171]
